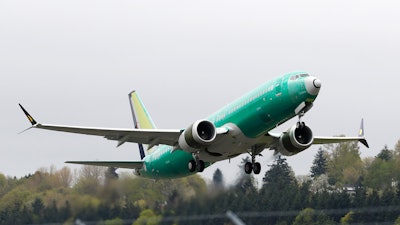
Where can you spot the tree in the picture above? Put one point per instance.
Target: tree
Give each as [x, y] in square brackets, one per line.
[115, 221]
[245, 182]
[90, 179]
[319, 164]
[147, 217]
[347, 219]
[111, 174]
[280, 175]
[385, 154]
[345, 166]
[279, 179]
[309, 216]
[382, 171]
[64, 176]
[218, 180]
[397, 221]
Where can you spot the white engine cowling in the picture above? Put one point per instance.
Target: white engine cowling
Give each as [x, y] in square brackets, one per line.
[200, 134]
[298, 138]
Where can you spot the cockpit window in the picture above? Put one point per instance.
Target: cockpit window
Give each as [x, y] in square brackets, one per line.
[295, 77]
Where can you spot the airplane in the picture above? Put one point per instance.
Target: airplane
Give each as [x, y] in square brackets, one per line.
[243, 126]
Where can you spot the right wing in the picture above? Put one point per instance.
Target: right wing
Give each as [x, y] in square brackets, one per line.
[330, 140]
[143, 136]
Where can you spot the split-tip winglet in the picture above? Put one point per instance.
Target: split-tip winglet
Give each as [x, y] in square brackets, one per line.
[361, 134]
[30, 118]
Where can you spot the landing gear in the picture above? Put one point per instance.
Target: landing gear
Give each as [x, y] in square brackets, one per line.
[196, 164]
[248, 167]
[301, 124]
[192, 165]
[253, 165]
[256, 168]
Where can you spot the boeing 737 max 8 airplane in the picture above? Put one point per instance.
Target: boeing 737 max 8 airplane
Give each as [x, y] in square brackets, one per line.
[243, 126]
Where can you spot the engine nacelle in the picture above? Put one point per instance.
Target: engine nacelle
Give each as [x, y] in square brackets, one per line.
[298, 138]
[200, 134]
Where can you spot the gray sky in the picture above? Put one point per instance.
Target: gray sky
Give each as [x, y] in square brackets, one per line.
[74, 62]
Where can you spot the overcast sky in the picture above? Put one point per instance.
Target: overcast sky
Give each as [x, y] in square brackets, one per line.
[74, 62]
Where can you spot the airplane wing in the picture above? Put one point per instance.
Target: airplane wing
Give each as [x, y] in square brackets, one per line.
[330, 140]
[272, 139]
[143, 136]
[120, 164]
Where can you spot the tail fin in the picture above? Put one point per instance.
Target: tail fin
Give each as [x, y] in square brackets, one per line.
[141, 118]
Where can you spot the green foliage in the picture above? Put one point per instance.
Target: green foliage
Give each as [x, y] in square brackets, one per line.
[280, 176]
[386, 154]
[305, 217]
[115, 221]
[147, 217]
[372, 195]
[345, 166]
[397, 221]
[319, 164]
[309, 216]
[347, 219]
[382, 171]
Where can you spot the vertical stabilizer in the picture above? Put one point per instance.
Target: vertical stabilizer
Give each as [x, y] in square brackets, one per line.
[141, 118]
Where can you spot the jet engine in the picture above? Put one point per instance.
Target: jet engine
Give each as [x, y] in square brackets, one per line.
[298, 138]
[200, 134]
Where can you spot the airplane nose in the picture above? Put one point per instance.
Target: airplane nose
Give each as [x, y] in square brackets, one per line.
[313, 85]
[317, 83]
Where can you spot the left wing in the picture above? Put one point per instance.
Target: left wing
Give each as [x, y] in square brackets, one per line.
[143, 136]
[116, 164]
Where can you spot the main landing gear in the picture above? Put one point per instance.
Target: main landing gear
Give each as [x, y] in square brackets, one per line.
[196, 164]
[253, 165]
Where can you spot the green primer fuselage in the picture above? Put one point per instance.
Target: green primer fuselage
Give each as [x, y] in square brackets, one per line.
[255, 113]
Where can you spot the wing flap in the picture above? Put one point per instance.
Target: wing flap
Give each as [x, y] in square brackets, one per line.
[117, 164]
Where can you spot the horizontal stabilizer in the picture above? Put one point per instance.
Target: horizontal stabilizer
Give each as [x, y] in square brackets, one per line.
[117, 164]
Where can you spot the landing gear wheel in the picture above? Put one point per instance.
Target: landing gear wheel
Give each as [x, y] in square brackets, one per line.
[248, 167]
[257, 168]
[200, 166]
[192, 165]
[301, 124]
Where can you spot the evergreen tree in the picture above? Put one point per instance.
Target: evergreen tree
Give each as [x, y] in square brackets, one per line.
[319, 164]
[245, 182]
[385, 154]
[280, 175]
[111, 174]
[279, 190]
[218, 180]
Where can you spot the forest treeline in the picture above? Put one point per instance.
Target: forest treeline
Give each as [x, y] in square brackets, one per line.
[342, 188]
